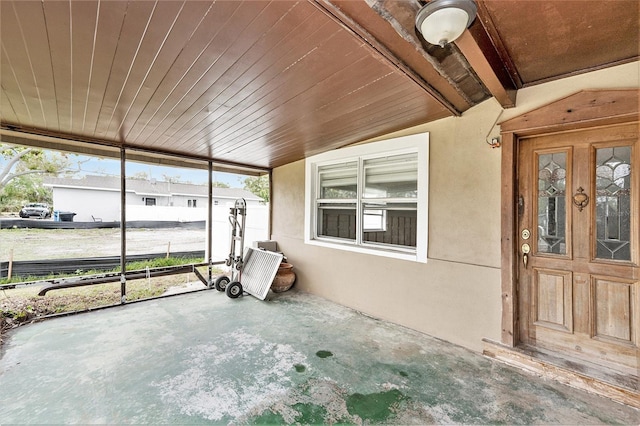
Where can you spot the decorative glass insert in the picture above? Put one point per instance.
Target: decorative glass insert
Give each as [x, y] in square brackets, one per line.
[552, 173]
[613, 203]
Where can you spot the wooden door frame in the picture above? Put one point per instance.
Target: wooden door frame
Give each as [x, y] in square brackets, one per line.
[582, 110]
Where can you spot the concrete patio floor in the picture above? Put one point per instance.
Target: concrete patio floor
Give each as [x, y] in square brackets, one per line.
[204, 358]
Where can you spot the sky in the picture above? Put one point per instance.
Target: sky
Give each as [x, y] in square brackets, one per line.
[111, 167]
[90, 165]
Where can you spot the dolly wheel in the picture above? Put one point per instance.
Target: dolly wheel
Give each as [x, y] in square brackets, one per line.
[234, 290]
[221, 283]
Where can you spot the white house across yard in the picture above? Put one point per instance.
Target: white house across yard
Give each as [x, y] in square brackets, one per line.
[97, 198]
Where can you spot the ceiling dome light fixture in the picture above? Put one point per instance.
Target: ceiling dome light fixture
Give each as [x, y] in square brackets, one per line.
[443, 21]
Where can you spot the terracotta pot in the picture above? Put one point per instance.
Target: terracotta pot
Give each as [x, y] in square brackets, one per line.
[284, 278]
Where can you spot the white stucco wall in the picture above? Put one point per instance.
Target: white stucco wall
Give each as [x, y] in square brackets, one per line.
[256, 227]
[87, 202]
[137, 199]
[456, 295]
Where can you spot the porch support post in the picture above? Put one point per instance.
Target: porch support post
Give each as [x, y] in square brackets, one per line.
[210, 226]
[123, 227]
[508, 222]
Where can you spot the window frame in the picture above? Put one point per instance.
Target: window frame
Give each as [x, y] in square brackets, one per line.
[418, 144]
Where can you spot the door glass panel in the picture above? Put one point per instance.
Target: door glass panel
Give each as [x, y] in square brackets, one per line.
[552, 172]
[613, 203]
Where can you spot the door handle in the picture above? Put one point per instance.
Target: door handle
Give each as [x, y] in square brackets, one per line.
[525, 254]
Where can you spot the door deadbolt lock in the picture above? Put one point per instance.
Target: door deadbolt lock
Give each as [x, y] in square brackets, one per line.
[526, 234]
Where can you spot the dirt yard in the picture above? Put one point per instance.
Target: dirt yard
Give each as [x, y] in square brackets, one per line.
[32, 244]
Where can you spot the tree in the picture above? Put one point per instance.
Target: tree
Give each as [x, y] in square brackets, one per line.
[171, 179]
[21, 171]
[21, 161]
[258, 185]
[24, 189]
[140, 176]
[217, 184]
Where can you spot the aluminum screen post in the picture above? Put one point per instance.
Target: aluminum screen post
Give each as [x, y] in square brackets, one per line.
[210, 226]
[123, 227]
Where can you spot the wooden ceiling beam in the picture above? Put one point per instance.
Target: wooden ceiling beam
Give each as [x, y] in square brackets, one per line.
[504, 93]
[110, 149]
[482, 47]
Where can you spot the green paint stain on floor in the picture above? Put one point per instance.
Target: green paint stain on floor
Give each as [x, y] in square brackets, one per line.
[300, 368]
[323, 354]
[375, 407]
[307, 414]
[310, 414]
[268, 418]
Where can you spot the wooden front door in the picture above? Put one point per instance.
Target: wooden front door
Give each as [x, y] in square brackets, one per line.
[578, 245]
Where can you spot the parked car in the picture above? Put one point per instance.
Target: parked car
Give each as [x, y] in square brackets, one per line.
[40, 210]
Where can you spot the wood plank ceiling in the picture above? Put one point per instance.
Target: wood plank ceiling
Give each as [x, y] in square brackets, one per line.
[262, 83]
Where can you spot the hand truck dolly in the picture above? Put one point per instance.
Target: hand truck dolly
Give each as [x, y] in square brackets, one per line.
[255, 268]
[237, 219]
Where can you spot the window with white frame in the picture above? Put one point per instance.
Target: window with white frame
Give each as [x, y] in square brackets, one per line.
[370, 198]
